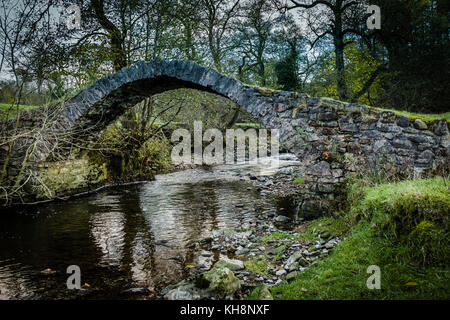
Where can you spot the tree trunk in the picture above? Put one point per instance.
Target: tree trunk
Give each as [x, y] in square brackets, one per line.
[339, 51]
[262, 73]
[340, 70]
[119, 57]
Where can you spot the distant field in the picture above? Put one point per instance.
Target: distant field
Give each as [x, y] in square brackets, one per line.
[9, 111]
[249, 125]
[427, 117]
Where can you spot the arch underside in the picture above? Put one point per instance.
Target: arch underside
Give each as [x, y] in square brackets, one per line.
[100, 104]
[102, 113]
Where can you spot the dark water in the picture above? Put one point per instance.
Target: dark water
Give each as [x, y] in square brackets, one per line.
[131, 236]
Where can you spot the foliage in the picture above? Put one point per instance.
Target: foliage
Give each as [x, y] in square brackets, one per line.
[287, 72]
[402, 66]
[128, 160]
[416, 42]
[360, 64]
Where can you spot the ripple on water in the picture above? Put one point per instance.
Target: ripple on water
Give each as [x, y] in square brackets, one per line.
[130, 236]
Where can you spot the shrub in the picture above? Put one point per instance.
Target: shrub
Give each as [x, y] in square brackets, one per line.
[129, 159]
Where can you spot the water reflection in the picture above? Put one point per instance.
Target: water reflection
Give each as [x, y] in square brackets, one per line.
[133, 236]
[107, 229]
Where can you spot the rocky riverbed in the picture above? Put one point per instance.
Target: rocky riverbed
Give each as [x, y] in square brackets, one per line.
[247, 258]
[266, 252]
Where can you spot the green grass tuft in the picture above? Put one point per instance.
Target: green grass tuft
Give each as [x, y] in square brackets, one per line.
[257, 265]
[300, 180]
[8, 111]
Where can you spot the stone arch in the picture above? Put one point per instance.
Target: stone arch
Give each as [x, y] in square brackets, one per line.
[102, 102]
[322, 133]
[110, 96]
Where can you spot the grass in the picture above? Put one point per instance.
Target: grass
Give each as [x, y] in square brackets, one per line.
[424, 116]
[9, 111]
[413, 116]
[277, 235]
[336, 227]
[249, 125]
[257, 265]
[299, 180]
[400, 227]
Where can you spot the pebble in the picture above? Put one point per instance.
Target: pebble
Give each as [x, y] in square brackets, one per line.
[281, 272]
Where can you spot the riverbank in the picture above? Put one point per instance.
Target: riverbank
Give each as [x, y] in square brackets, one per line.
[400, 227]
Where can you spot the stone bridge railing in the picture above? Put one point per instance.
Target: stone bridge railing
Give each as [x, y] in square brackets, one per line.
[332, 138]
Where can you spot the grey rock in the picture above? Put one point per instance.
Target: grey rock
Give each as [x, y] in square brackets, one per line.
[222, 281]
[242, 251]
[329, 246]
[232, 264]
[264, 293]
[420, 124]
[281, 272]
[292, 275]
[135, 291]
[294, 257]
[282, 219]
[403, 121]
[293, 266]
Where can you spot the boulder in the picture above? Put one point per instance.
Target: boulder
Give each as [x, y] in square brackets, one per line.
[264, 293]
[222, 281]
[232, 264]
[420, 124]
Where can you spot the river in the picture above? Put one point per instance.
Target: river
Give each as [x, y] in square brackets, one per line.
[132, 236]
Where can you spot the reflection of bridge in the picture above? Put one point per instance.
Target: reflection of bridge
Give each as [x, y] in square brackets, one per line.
[331, 137]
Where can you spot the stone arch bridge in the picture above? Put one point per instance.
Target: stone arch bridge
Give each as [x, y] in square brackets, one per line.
[332, 138]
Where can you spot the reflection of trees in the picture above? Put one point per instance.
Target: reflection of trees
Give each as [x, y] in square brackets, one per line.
[12, 284]
[123, 236]
[107, 229]
[132, 236]
[177, 214]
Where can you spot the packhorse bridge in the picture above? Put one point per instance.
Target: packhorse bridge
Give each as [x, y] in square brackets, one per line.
[332, 138]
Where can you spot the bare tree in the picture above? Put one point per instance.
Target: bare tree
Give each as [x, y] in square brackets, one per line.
[217, 22]
[253, 37]
[335, 18]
